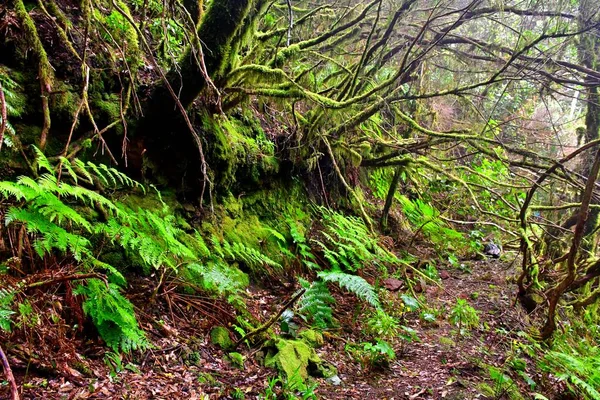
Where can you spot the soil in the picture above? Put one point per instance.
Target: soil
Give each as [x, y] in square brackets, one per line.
[183, 364]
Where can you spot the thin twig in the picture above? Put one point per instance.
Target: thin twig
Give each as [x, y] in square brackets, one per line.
[3, 115]
[271, 321]
[9, 376]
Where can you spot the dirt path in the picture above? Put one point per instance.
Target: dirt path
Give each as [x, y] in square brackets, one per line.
[443, 365]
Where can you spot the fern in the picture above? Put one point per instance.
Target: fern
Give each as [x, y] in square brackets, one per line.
[348, 245]
[15, 103]
[113, 315]
[579, 368]
[216, 277]
[315, 304]
[6, 300]
[426, 218]
[354, 284]
[41, 161]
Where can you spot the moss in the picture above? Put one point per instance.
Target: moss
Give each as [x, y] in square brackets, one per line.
[236, 359]
[108, 105]
[294, 358]
[121, 31]
[219, 336]
[239, 152]
[312, 337]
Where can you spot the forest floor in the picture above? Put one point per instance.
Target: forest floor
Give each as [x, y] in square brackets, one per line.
[184, 363]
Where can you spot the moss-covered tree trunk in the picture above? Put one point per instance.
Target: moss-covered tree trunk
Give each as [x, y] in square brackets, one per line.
[169, 143]
[589, 55]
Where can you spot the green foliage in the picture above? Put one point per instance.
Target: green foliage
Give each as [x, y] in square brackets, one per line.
[410, 302]
[15, 103]
[503, 385]
[6, 300]
[354, 284]
[349, 245]
[379, 182]
[303, 249]
[294, 389]
[240, 252]
[426, 219]
[113, 316]
[463, 316]
[377, 354]
[578, 365]
[315, 304]
[382, 325]
[219, 335]
[60, 217]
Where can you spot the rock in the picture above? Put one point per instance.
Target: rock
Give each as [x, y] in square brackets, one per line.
[444, 275]
[492, 250]
[236, 359]
[294, 358]
[334, 380]
[219, 335]
[393, 284]
[312, 337]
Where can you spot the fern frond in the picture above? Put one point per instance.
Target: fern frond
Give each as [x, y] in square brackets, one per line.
[354, 284]
[66, 165]
[42, 161]
[8, 189]
[113, 315]
[80, 165]
[315, 304]
[6, 300]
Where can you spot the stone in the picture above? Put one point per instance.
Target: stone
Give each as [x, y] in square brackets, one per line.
[393, 284]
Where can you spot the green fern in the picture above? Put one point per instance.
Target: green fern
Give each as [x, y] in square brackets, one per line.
[113, 316]
[426, 218]
[354, 284]
[6, 300]
[15, 103]
[348, 244]
[315, 304]
[578, 367]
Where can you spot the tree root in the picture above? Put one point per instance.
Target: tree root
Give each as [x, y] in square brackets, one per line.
[45, 70]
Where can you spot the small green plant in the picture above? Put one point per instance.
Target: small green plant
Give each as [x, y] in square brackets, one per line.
[287, 325]
[238, 394]
[113, 315]
[382, 325]
[502, 385]
[292, 389]
[463, 316]
[379, 353]
[577, 365]
[6, 300]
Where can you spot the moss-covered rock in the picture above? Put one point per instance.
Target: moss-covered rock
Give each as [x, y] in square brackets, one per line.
[219, 335]
[294, 358]
[236, 359]
[311, 337]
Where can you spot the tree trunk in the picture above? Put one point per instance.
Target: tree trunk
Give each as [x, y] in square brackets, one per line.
[168, 142]
[589, 50]
[390, 197]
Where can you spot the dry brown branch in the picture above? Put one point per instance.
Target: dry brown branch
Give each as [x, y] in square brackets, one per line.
[9, 376]
[3, 115]
[271, 321]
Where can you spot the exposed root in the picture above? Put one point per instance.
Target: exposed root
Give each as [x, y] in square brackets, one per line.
[45, 70]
